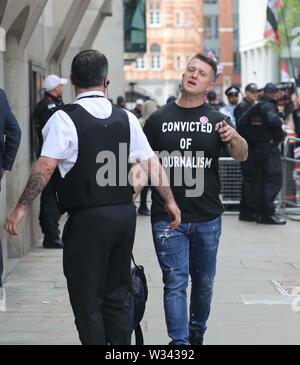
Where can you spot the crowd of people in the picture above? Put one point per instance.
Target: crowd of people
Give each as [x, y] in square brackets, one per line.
[189, 134]
[265, 117]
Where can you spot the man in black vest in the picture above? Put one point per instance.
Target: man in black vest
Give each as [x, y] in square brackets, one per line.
[261, 126]
[248, 208]
[49, 210]
[95, 145]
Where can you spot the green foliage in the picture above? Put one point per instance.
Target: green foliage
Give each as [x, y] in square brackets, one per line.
[292, 18]
[291, 14]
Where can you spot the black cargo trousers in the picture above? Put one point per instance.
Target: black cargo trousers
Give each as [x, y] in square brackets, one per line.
[98, 245]
[50, 213]
[268, 177]
[248, 206]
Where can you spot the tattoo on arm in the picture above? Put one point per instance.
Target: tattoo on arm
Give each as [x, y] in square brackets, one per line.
[158, 178]
[243, 150]
[35, 185]
[238, 150]
[160, 181]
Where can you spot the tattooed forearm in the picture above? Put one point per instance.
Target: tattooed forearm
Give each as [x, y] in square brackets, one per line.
[35, 185]
[243, 150]
[158, 178]
[139, 179]
[238, 148]
[160, 181]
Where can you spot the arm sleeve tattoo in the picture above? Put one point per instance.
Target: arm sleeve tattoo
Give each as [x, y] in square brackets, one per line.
[35, 185]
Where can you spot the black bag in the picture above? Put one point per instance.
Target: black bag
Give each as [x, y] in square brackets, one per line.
[139, 291]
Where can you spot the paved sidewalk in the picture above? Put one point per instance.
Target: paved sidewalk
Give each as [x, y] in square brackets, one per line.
[247, 307]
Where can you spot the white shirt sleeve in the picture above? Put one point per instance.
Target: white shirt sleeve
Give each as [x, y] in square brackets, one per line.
[60, 138]
[140, 149]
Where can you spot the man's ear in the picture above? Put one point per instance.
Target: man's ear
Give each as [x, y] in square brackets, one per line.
[210, 86]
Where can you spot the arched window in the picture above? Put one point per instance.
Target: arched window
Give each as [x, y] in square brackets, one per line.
[155, 57]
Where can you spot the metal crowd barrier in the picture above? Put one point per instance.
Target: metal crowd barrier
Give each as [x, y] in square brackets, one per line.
[289, 200]
[231, 179]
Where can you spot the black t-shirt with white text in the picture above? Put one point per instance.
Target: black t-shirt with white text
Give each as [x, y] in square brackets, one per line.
[189, 148]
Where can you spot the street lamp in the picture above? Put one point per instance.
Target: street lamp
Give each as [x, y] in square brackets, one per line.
[132, 85]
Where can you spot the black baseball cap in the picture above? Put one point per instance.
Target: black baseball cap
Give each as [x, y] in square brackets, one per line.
[270, 88]
[211, 95]
[252, 88]
[233, 91]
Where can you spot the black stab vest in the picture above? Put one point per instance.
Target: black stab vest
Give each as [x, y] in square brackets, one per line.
[100, 174]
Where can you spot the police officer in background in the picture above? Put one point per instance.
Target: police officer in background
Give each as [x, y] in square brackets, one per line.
[261, 126]
[248, 209]
[232, 94]
[49, 210]
[251, 96]
[212, 99]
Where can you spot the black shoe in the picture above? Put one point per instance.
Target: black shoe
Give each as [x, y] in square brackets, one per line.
[196, 338]
[52, 244]
[248, 217]
[144, 211]
[273, 219]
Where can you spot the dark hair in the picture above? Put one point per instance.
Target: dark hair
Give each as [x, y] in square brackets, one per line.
[89, 69]
[171, 99]
[207, 60]
[120, 100]
[212, 95]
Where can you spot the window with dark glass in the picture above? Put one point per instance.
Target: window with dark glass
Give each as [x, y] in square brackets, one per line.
[135, 26]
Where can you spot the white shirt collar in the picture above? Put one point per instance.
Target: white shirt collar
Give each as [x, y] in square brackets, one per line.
[90, 93]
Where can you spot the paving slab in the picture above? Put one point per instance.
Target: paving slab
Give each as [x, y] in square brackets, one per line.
[247, 308]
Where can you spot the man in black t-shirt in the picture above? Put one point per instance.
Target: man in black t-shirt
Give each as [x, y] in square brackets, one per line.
[188, 135]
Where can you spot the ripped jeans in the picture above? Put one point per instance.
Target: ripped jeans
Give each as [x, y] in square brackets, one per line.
[190, 249]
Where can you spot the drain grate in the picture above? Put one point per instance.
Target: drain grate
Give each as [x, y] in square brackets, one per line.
[289, 289]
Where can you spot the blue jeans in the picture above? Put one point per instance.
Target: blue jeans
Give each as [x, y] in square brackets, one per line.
[190, 249]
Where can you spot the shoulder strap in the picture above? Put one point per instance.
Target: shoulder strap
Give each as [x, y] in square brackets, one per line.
[139, 338]
[133, 260]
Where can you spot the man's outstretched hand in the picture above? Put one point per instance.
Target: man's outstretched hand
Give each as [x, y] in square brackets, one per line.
[13, 219]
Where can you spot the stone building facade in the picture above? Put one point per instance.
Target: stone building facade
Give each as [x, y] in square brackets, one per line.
[39, 37]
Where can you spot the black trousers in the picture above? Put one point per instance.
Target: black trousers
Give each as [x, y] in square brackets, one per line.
[144, 194]
[248, 168]
[268, 180]
[49, 212]
[98, 245]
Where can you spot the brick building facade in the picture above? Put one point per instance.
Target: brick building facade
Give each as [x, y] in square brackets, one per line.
[176, 30]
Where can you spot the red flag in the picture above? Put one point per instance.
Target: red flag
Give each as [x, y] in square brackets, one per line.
[271, 31]
[285, 77]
